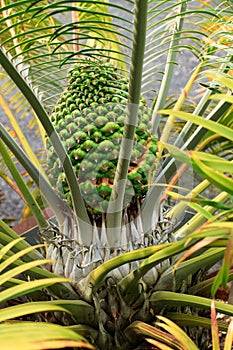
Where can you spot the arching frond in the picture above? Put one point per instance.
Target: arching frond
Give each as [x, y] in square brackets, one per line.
[43, 47]
[44, 38]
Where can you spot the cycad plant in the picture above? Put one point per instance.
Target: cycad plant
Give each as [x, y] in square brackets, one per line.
[15, 306]
[99, 84]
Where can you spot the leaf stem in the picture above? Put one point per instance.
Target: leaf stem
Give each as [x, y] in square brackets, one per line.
[169, 68]
[114, 213]
[46, 190]
[78, 202]
[42, 222]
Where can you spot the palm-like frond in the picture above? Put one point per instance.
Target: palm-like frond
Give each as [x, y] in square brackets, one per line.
[43, 47]
[13, 287]
[37, 61]
[56, 50]
[39, 336]
[167, 30]
[15, 22]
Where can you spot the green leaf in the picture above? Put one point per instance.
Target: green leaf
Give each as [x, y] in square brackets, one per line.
[62, 290]
[208, 124]
[116, 202]
[192, 320]
[219, 180]
[202, 202]
[194, 249]
[15, 311]
[179, 154]
[80, 310]
[13, 258]
[223, 274]
[19, 132]
[32, 203]
[222, 78]
[28, 287]
[140, 329]
[35, 336]
[189, 267]
[158, 345]
[215, 162]
[177, 332]
[227, 98]
[20, 269]
[96, 277]
[129, 284]
[16, 76]
[8, 246]
[160, 299]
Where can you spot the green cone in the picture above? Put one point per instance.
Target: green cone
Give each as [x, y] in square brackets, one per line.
[89, 117]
